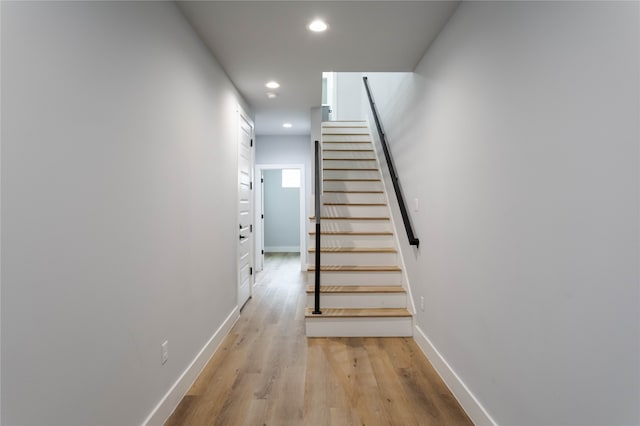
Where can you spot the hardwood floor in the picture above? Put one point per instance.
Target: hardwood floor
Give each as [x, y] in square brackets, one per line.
[266, 372]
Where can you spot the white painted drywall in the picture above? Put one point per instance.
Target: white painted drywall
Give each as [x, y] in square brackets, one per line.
[518, 133]
[281, 214]
[285, 149]
[315, 117]
[119, 207]
[349, 102]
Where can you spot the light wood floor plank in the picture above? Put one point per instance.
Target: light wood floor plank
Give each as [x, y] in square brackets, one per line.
[266, 372]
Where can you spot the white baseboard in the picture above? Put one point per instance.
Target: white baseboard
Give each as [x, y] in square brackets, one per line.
[282, 249]
[467, 400]
[172, 398]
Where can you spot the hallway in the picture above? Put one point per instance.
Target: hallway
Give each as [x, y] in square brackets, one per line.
[266, 372]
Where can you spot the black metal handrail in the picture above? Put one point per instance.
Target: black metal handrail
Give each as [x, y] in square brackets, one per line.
[318, 189]
[413, 240]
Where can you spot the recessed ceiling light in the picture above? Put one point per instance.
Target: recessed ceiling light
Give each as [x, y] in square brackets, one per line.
[271, 95]
[272, 85]
[287, 125]
[317, 26]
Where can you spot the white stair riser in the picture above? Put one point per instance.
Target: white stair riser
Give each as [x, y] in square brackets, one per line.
[347, 148]
[345, 138]
[327, 225]
[347, 154]
[349, 164]
[355, 211]
[343, 123]
[359, 300]
[336, 197]
[362, 259]
[357, 278]
[344, 130]
[359, 327]
[354, 241]
[350, 174]
[332, 185]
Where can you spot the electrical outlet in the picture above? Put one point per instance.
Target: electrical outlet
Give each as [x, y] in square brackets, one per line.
[164, 352]
[416, 205]
[422, 303]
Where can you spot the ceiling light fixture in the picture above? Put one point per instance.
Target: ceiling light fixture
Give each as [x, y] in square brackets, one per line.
[271, 95]
[272, 85]
[317, 26]
[287, 125]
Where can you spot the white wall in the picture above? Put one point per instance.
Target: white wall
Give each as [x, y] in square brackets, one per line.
[281, 214]
[349, 96]
[519, 135]
[118, 207]
[283, 149]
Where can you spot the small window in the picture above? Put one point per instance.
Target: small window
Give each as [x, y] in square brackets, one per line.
[291, 178]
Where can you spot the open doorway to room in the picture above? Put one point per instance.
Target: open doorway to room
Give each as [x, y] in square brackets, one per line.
[280, 212]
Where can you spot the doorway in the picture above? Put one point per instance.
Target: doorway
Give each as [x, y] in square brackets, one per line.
[280, 211]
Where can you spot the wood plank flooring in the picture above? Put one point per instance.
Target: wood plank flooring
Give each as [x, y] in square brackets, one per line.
[266, 372]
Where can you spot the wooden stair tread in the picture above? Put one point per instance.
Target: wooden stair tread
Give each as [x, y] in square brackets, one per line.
[325, 126]
[358, 313]
[345, 134]
[357, 289]
[349, 170]
[355, 268]
[344, 121]
[347, 150]
[355, 204]
[352, 233]
[352, 192]
[349, 159]
[343, 141]
[354, 250]
[350, 218]
[352, 180]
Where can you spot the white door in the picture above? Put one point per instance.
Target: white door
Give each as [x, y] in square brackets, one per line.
[245, 210]
[259, 228]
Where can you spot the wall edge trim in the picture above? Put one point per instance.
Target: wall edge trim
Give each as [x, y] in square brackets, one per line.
[160, 414]
[468, 401]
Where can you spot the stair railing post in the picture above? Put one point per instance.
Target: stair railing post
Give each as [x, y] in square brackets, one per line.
[318, 192]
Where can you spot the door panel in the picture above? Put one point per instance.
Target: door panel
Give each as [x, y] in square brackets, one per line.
[245, 211]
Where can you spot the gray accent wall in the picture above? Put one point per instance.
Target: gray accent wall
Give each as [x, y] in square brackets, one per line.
[519, 135]
[281, 214]
[119, 207]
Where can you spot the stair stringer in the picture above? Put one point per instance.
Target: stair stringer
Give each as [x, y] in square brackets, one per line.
[387, 184]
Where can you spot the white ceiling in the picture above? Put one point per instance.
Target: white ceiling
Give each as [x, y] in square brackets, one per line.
[258, 41]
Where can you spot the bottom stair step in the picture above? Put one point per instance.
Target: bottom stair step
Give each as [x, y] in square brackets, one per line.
[358, 313]
[358, 296]
[357, 289]
[381, 322]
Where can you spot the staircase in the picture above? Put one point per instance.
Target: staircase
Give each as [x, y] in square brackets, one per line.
[361, 280]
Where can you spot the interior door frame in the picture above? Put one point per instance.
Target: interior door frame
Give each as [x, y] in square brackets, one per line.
[259, 228]
[242, 115]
